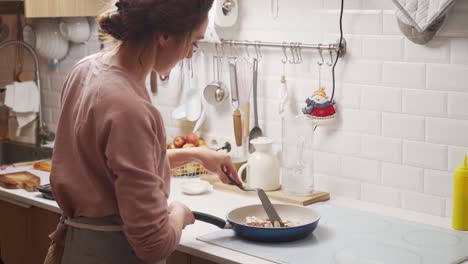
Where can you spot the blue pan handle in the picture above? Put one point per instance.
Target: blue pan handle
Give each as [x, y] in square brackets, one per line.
[211, 219]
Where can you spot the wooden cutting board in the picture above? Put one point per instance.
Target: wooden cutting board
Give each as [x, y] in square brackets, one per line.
[277, 195]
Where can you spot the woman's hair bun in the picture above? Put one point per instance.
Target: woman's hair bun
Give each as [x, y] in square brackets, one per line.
[113, 24]
[139, 19]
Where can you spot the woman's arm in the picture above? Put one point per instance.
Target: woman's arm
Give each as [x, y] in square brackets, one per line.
[180, 157]
[215, 162]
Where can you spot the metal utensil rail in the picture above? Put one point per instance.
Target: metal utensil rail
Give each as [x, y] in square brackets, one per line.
[293, 45]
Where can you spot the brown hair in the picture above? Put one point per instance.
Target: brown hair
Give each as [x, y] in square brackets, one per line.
[141, 19]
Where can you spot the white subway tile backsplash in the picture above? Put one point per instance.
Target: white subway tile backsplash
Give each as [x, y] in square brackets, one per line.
[55, 115]
[447, 77]
[47, 115]
[405, 75]
[402, 177]
[390, 24]
[457, 105]
[360, 72]
[348, 96]
[350, 4]
[455, 157]
[423, 203]
[391, 96]
[381, 99]
[382, 47]
[335, 141]
[403, 126]
[344, 187]
[459, 50]
[56, 83]
[382, 148]
[360, 169]
[380, 194]
[438, 183]
[378, 4]
[360, 121]
[448, 207]
[437, 50]
[51, 99]
[447, 131]
[326, 163]
[77, 51]
[425, 103]
[425, 155]
[364, 22]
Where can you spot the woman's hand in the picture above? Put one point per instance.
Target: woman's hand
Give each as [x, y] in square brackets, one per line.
[217, 162]
[181, 214]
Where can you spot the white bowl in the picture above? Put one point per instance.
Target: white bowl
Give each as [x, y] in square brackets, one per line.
[75, 29]
[50, 43]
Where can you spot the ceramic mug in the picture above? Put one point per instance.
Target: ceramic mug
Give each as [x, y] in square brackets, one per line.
[75, 29]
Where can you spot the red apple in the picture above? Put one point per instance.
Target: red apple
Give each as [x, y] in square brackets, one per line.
[178, 141]
[192, 138]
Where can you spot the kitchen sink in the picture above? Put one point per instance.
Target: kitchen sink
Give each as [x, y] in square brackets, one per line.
[12, 152]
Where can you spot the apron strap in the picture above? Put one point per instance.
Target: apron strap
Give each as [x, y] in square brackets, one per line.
[104, 228]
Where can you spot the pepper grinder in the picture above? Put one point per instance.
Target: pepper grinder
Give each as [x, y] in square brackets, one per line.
[460, 197]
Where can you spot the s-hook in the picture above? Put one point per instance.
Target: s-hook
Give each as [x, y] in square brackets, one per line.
[331, 55]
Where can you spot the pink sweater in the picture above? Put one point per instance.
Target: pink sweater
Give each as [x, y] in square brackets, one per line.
[110, 156]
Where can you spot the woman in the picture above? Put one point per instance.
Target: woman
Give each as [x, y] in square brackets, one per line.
[110, 165]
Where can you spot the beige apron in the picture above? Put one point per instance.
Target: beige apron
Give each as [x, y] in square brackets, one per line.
[93, 241]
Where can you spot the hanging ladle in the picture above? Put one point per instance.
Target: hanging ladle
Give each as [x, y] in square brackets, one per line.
[256, 131]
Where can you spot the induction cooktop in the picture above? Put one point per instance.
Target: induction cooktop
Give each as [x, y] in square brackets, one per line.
[349, 236]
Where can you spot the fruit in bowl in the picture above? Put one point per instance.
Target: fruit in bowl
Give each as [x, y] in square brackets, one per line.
[190, 141]
[192, 138]
[179, 141]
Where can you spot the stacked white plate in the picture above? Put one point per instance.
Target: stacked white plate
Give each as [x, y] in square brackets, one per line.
[50, 43]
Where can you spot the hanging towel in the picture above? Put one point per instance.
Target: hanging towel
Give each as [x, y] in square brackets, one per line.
[420, 20]
[24, 100]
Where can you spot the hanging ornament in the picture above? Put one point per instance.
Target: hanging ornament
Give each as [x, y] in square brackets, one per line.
[319, 107]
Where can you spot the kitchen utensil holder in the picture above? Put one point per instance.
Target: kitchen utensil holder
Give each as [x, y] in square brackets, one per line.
[298, 45]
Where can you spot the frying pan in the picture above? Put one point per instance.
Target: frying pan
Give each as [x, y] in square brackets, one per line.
[307, 217]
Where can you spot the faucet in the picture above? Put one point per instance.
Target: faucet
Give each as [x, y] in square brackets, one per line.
[43, 134]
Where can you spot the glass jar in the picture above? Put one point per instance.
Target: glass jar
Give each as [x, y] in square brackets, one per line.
[297, 177]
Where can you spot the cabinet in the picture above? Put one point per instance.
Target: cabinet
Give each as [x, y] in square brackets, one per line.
[24, 236]
[64, 8]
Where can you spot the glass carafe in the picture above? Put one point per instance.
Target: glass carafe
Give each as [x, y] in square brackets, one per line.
[297, 177]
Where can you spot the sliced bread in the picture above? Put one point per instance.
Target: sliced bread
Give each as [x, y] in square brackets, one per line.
[20, 180]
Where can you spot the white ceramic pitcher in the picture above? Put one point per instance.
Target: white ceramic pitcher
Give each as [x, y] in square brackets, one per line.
[263, 166]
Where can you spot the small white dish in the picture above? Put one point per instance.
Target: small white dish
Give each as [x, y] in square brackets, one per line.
[29, 35]
[75, 29]
[50, 44]
[196, 187]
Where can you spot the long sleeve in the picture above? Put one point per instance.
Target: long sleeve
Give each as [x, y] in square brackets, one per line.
[133, 150]
[110, 156]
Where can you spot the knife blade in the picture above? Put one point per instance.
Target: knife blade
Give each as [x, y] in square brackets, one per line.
[273, 215]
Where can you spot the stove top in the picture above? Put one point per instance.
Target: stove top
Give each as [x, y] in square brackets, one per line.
[348, 236]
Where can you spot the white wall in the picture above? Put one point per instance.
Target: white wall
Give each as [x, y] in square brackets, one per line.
[403, 112]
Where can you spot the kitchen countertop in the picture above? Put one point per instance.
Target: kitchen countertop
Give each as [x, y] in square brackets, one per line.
[217, 203]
